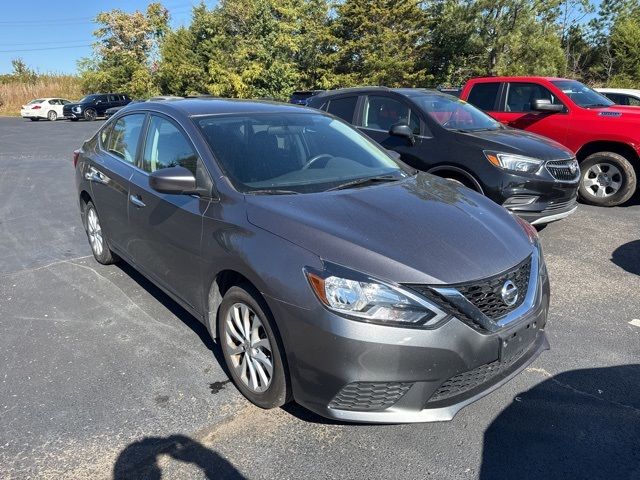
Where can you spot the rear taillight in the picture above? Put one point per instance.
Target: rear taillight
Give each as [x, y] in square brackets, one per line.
[76, 156]
[36, 107]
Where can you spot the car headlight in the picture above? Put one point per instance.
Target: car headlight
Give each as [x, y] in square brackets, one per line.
[368, 300]
[514, 162]
[76, 109]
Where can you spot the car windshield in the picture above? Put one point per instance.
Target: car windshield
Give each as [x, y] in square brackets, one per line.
[294, 152]
[455, 114]
[88, 98]
[582, 95]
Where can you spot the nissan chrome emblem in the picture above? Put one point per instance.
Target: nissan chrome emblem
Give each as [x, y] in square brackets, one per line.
[509, 293]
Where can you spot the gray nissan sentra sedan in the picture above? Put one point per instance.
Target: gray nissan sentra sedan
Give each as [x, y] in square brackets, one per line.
[329, 273]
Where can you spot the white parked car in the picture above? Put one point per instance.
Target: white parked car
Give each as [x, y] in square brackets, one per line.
[49, 108]
[622, 96]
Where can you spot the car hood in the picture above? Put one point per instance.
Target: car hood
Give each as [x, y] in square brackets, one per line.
[516, 141]
[420, 230]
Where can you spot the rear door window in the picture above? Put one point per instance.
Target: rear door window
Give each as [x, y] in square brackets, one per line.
[343, 108]
[124, 137]
[381, 112]
[484, 95]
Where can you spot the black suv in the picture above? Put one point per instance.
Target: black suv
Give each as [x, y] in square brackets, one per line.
[94, 106]
[531, 175]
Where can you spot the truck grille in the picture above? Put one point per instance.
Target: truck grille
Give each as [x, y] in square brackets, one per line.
[367, 396]
[562, 170]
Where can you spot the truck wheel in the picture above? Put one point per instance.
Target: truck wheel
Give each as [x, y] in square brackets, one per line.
[608, 179]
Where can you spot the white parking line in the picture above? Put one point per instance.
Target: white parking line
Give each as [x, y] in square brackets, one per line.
[635, 322]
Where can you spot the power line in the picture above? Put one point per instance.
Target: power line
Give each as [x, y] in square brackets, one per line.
[66, 42]
[41, 49]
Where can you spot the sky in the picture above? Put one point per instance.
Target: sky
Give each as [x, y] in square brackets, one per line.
[51, 36]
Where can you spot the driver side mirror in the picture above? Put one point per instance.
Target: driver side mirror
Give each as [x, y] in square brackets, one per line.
[176, 180]
[545, 105]
[402, 130]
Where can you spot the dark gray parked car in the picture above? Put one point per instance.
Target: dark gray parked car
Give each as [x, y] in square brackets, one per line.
[329, 273]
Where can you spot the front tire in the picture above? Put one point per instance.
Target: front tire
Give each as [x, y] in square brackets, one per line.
[34, 119]
[97, 240]
[52, 116]
[252, 348]
[90, 114]
[607, 179]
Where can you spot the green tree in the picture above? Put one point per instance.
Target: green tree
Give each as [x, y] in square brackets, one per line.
[124, 51]
[379, 42]
[625, 47]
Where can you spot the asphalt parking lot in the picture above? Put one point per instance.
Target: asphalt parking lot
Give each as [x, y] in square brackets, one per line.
[103, 376]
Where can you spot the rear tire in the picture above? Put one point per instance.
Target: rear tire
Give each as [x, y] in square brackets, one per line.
[254, 360]
[97, 240]
[607, 179]
[52, 116]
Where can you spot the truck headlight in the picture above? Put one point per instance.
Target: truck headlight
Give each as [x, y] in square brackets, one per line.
[514, 162]
[375, 302]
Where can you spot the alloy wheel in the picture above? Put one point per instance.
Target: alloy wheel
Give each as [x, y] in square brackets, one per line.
[248, 347]
[94, 231]
[90, 114]
[52, 116]
[602, 180]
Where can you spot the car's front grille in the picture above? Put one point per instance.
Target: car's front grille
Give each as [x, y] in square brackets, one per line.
[486, 294]
[368, 396]
[466, 381]
[564, 170]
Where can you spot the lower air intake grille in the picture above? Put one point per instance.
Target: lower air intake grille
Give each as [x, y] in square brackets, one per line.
[363, 396]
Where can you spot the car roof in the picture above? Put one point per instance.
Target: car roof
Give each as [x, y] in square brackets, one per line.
[215, 106]
[409, 92]
[516, 78]
[630, 91]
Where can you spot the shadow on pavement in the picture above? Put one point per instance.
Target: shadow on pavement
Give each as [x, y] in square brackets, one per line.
[140, 459]
[627, 257]
[582, 424]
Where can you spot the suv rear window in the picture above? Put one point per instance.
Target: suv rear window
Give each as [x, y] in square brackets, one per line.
[484, 95]
[343, 108]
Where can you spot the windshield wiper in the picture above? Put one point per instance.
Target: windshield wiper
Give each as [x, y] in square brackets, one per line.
[272, 191]
[361, 182]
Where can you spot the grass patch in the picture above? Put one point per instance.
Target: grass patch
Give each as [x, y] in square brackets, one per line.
[14, 93]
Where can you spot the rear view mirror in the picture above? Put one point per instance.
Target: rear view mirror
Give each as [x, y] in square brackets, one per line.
[402, 130]
[545, 105]
[176, 180]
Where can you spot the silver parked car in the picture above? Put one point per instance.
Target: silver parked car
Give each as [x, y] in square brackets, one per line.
[329, 273]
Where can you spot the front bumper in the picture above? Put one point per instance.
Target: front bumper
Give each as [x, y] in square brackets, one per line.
[354, 371]
[539, 200]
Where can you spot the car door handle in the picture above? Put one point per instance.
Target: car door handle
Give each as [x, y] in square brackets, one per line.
[97, 176]
[137, 201]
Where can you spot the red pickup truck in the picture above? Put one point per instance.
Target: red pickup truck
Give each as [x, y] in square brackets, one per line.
[605, 137]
